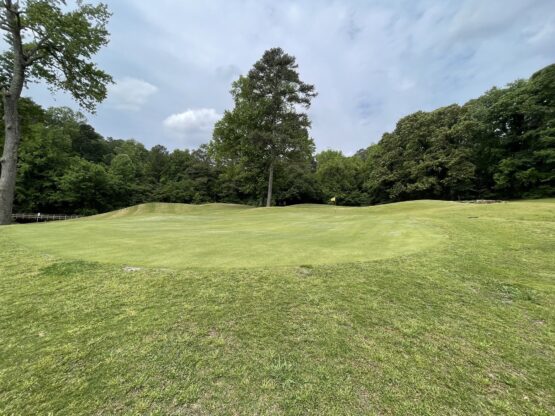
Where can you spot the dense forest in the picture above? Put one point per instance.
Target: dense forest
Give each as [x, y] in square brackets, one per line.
[498, 146]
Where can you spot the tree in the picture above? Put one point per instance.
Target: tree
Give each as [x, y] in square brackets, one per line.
[122, 173]
[86, 188]
[522, 121]
[340, 177]
[267, 125]
[51, 44]
[88, 144]
[44, 156]
[296, 183]
[157, 161]
[426, 156]
[187, 177]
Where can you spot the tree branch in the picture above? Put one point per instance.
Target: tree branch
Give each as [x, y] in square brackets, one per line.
[34, 54]
[7, 4]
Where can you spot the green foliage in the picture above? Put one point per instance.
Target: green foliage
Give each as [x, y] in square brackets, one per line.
[43, 160]
[340, 177]
[426, 156]
[122, 167]
[88, 144]
[523, 122]
[60, 45]
[46, 42]
[85, 188]
[187, 177]
[266, 126]
[501, 145]
[296, 183]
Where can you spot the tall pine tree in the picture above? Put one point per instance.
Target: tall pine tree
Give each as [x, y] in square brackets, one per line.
[267, 125]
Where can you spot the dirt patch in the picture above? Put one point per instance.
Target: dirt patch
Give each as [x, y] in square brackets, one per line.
[304, 271]
[484, 201]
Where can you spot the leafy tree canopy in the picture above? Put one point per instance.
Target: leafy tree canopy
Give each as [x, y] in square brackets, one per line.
[267, 124]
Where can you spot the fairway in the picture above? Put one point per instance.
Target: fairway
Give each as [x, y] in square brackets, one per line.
[220, 235]
[415, 308]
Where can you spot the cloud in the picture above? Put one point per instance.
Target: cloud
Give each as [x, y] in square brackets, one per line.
[543, 37]
[480, 19]
[193, 126]
[228, 72]
[371, 62]
[130, 94]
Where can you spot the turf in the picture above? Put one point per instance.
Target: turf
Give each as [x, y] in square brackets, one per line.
[459, 320]
[218, 235]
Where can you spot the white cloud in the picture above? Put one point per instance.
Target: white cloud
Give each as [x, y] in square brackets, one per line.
[544, 36]
[481, 19]
[193, 126]
[371, 62]
[130, 94]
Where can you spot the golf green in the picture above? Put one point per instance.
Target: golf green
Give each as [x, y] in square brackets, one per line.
[221, 235]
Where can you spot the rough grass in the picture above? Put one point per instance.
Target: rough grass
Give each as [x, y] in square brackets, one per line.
[462, 324]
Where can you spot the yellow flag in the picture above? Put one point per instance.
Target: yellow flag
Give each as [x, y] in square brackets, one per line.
[332, 200]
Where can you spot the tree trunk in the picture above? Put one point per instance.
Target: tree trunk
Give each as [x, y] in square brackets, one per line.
[9, 160]
[10, 96]
[270, 184]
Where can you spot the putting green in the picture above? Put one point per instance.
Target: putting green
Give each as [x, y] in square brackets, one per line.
[224, 235]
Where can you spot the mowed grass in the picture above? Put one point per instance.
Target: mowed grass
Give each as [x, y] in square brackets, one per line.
[219, 235]
[442, 309]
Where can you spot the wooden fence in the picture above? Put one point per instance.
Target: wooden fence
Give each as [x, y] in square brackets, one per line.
[43, 217]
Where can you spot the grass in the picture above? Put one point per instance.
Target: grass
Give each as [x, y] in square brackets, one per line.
[442, 308]
[184, 236]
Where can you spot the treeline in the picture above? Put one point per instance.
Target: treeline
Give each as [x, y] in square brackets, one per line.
[500, 145]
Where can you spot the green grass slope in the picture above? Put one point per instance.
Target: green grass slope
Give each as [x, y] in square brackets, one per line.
[443, 308]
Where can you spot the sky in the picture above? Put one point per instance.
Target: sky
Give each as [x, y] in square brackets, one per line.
[371, 61]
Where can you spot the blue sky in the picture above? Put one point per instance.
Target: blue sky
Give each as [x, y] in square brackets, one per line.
[372, 62]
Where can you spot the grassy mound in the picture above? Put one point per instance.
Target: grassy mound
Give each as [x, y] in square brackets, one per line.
[459, 321]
